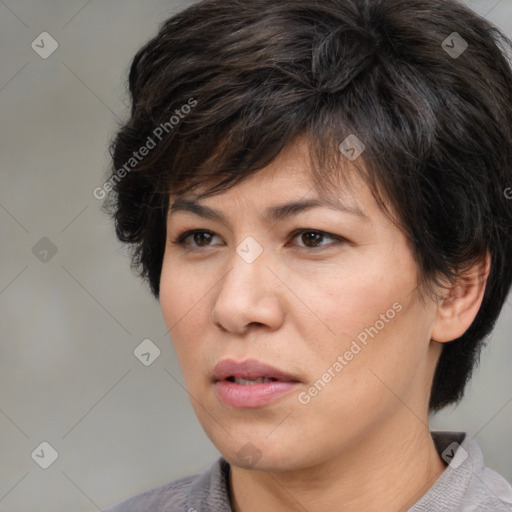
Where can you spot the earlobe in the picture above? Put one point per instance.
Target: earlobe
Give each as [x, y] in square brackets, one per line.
[460, 304]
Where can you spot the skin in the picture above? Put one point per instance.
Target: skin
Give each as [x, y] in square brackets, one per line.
[363, 442]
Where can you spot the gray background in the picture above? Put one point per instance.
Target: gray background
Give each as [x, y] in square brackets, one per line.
[70, 325]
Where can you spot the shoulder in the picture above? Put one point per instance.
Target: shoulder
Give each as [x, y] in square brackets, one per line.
[180, 495]
[467, 484]
[491, 490]
[169, 497]
[486, 489]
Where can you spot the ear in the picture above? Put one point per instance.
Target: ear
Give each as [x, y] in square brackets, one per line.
[459, 305]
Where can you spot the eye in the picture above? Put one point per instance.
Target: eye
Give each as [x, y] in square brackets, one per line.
[202, 238]
[312, 238]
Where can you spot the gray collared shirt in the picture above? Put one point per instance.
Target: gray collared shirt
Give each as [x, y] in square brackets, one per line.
[466, 485]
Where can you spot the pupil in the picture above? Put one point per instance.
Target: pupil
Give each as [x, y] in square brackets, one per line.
[199, 237]
[310, 237]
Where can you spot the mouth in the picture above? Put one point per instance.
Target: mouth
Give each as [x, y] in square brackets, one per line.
[250, 383]
[250, 372]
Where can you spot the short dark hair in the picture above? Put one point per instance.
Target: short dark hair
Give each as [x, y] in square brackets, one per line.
[226, 84]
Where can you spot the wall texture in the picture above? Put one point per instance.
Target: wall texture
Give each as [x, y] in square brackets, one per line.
[72, 313]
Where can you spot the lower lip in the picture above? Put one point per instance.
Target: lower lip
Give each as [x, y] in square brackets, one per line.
[251, 395]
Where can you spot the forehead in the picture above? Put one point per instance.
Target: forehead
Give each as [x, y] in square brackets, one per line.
[281, 190]
[289, 177]
[277, 212]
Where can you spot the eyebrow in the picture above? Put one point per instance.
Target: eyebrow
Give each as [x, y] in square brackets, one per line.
[272, 213]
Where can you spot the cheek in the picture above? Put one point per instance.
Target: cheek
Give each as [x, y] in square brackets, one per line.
[344, 303]
[375, 332]
[379, 361]
[183, 292]
[183, 304]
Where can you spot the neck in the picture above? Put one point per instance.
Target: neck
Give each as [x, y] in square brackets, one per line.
[384, 471]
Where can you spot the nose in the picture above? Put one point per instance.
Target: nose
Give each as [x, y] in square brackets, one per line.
[248, 296]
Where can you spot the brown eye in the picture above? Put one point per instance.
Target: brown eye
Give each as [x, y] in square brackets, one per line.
[312, 239]
[200, 237]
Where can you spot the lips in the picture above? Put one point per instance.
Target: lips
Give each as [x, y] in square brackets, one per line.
[251, 384]
[250, 369]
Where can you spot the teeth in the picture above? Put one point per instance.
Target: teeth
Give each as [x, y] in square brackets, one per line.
[253, 381]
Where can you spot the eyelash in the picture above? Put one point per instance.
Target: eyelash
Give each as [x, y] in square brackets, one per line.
[180, 240]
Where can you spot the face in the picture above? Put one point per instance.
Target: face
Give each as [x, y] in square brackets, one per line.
[327, 296]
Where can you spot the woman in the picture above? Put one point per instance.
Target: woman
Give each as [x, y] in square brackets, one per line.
[316, 194]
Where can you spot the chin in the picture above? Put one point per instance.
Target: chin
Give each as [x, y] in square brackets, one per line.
[260, 453]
